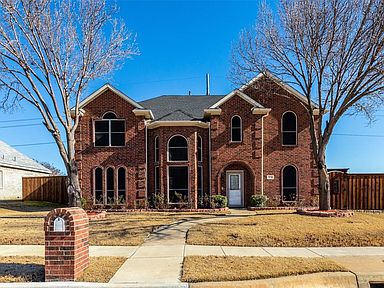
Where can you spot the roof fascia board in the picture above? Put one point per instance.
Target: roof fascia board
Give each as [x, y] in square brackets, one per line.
[230, 95]
[157, 124]
[261, 111]
[212, 112]
[19, 167]
[102, 89]
[143, 112]
[279, 82]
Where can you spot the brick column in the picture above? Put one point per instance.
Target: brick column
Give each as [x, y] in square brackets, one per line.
[66, 244]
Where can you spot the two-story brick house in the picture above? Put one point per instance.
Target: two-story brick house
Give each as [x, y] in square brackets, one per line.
[254, 140]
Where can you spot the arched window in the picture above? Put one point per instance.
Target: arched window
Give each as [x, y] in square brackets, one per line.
[289, 183]
[109, 131]
[199, 148]
[98, 185]
[236, 129]
[178, 149]
[157, 149]
[121, 184]
[110, 180]
[289, 128]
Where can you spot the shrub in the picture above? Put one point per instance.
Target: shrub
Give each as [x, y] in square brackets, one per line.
[258, 200]
[159, 201]
[219, 201]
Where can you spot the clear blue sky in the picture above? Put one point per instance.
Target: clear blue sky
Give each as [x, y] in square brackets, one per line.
[180, 41]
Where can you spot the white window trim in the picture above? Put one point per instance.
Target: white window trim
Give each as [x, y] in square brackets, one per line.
[155, 184]
[282, 184]
[189, 192]
[282, 130]
[202, 179]
[177, 161]
[157, 149]
[241, 129]
[106, 186]
[109, 131]
[94, 185]
[200, 140]
[125, 181]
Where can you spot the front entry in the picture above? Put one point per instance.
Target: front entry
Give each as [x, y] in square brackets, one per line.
[235, 188]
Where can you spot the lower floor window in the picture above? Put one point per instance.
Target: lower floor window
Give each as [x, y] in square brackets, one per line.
[157, 180]
[105, 189]
[178, 184]
[289, 183]
[200, 191]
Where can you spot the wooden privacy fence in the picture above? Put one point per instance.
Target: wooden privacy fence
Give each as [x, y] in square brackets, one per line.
[357, 191]
[49, 188]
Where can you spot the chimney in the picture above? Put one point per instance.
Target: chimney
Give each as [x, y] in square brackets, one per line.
[207, 84]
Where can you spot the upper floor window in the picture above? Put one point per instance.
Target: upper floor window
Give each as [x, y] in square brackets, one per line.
[289, 128]
[199, 148]
[109, 131]
[289, 182]
[236, 129]
[157, 149]
[178, 149]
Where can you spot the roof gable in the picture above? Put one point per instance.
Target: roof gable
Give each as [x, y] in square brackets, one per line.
[104, 88]
[241, 95]
[281, 83]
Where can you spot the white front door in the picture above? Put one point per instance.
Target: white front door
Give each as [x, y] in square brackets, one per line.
[235, 188]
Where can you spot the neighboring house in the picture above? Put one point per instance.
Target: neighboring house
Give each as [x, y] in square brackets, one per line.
[14, 165]
[247, 142]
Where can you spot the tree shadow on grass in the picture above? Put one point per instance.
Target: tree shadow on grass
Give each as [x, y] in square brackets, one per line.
[19, 272]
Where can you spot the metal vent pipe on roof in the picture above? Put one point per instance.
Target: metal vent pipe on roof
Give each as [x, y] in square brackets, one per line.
[207, 84]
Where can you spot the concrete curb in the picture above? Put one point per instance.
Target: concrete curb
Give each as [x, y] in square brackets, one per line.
[318, 280]
[89, 285]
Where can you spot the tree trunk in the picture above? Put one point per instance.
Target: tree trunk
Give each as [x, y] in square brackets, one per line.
[324, 192]
[73, 185]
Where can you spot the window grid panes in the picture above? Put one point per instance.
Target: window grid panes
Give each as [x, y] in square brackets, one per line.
[157, 150]
[289, 129]
[199, 149]
[236, 133]
[98, 185]
[109, 132]
[110, 186]
[121, 185]
[178, 149]
[289, 183]
[178, 184]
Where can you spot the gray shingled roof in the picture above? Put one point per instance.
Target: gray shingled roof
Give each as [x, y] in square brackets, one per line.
[180, 107]
[10, 157]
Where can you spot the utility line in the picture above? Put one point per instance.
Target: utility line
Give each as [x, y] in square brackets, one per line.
[33, 144]
[336, 134]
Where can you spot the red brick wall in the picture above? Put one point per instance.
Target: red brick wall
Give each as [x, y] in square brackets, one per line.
[132, 156]
[276, 156]
[66, 253]
[164, 134]
[245, 155]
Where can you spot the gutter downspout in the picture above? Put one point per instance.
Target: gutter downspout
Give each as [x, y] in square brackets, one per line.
[210, 159]
[146, 161]
[262, 155]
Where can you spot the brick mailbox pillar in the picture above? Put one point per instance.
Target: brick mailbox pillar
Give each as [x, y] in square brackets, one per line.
[66, 244]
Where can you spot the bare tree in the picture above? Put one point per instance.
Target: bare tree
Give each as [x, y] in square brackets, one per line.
[331, 50]
[49, 51]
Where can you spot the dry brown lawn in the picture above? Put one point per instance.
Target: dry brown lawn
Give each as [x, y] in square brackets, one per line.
[269, 228]
[232, 268]
[22, 223]
[31, 269]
